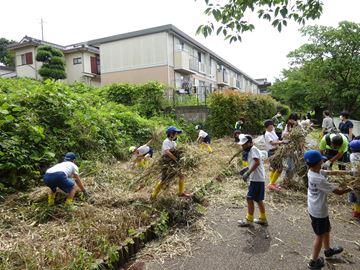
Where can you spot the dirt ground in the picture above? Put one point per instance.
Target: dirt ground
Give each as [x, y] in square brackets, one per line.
[216, 242]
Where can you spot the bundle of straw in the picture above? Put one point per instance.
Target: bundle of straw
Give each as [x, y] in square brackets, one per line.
[294, 150]
[188, 157]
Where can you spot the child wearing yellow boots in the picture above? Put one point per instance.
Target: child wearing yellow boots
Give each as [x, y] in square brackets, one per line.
[141, 154]
[255, 172]
[168, 146]
[60, 176]
[272, 144]
[203, 139]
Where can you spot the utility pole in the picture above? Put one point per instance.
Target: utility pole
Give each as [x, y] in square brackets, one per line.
[42, 29]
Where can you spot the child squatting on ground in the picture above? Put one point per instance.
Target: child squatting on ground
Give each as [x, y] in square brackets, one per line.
[203, 139]
[141, 154]
[255, 172]
[168, 146]
[318, 189]
[60, 176]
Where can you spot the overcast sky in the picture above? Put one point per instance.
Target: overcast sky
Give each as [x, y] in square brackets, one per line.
[261, 54]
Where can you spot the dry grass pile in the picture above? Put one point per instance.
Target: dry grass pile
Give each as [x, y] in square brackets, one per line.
[294, 150]
[34, 236]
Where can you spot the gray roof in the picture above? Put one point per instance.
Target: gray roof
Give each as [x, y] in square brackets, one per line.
[26, 41]
[177, 32]
[7, 68]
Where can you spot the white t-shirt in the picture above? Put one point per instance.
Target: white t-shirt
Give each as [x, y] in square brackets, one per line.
[168, 145]
[318, 190]
[68, 167]
[144, 149]
[202, 134]
[270, 137]
[355, 161]
[259, 174]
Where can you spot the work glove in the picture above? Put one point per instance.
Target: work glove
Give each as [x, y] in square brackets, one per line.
[86, 194]
[324, 172]
[243, 170]
[246, 176]
[327, 165]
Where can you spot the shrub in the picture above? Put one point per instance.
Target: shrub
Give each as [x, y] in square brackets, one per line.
[53, 63]
[227, 107]
[40, 121]
[147, 99]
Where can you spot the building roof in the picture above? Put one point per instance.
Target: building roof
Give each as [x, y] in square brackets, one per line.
[7, 68]
[177, 32]
[30, 41]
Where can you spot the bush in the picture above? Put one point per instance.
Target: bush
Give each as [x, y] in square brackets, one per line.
[40, 121]
[227, 107]
[147, 99]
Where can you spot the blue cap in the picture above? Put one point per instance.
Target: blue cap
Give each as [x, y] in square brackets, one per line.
[312, 157]
[355, 145]
[70, 156]
[172, 129]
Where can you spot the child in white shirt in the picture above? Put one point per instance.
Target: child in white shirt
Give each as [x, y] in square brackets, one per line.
[318, 189]
[204, 139]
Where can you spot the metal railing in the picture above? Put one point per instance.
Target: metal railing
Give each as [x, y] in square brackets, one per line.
[196, 96]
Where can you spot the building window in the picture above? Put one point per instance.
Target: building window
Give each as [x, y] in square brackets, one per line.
[77, 60]
[27, 58]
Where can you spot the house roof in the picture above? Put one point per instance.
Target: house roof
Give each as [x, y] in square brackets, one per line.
[177, 32]
[30, 41]
[7, 68]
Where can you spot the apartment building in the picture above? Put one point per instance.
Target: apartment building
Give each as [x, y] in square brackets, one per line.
[82, 61]
[164, 53]
[168, 55]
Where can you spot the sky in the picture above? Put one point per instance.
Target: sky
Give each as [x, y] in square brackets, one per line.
[261, 54]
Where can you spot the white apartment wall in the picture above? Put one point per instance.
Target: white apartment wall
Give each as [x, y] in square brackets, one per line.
[133, 53]
[170, 49]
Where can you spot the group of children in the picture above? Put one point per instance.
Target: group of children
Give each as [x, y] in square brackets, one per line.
[59, 176]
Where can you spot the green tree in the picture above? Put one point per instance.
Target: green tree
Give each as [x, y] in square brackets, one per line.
[6, 57]
[229, 17]
[325, 72]
[53, 63]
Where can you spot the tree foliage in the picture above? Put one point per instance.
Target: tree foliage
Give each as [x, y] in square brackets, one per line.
[53, 63]
[324, 73]
[229, 17]
[6, 57]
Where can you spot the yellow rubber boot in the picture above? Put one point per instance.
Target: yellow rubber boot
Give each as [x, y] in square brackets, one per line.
[181, 186]
[69, 201]
[209, 148]
[276, 176]
[250, 217]
[156, 191]
[271, 177]
[51, 199]
[262, 216]
[356, 207]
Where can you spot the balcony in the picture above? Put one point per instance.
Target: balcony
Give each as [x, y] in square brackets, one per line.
[182, 63]
[222, 78]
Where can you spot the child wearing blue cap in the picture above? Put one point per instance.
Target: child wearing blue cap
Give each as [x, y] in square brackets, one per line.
[60, 176]
[318, 189]
[167, 151]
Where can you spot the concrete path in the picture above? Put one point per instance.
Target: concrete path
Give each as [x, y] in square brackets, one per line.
[285, 244]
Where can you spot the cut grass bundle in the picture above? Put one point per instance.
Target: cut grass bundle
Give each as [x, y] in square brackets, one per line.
[294, 150]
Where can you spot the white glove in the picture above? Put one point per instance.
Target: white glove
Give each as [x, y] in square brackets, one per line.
[327, 165]
[246, 176]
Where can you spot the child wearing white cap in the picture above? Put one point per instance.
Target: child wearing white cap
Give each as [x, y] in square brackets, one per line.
[255, 172]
